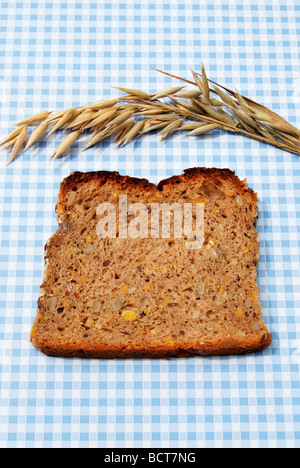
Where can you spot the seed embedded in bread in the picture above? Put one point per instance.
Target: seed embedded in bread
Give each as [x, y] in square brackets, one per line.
[152, 297]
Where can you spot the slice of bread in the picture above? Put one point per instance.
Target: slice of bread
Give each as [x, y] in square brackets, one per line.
[152, 297]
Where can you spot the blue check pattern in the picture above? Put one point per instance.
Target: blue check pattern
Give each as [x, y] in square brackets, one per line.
[62, 54]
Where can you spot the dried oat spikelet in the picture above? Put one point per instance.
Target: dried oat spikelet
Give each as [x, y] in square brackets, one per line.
[204, 129]
[18, 144]
[65, 119]
[83, 118]
[101, 117]
[102, 104]
[134, 92]
[12, 136]
[99, 135]
[66, 144]
[189, 94]
[169, 129]
[37, 133]
[10, 143]
[206, 90]
[34, 119]
[122, 117]
[152, 126]
[166, 92]
[131, 134]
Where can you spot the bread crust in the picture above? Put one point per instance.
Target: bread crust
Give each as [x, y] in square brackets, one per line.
[102, 177]
[109, 352]
[232, 347]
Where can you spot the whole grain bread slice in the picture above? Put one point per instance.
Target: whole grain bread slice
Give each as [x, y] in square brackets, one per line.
[144, 297]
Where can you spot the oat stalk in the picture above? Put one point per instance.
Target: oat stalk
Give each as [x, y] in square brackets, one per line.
[202, 108]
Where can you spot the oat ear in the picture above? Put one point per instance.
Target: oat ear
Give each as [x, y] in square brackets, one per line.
[208, 106]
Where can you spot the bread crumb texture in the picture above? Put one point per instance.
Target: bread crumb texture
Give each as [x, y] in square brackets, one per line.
[115, 297]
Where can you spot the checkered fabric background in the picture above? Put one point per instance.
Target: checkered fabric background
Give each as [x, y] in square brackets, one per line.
[62, 54]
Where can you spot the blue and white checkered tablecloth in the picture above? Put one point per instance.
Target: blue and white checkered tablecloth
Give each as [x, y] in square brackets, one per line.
[65, 53]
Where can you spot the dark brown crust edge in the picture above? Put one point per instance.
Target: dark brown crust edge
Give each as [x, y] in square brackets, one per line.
[102, 177]
[159, 353]
[211, 172]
